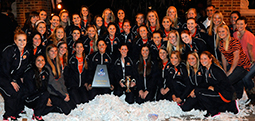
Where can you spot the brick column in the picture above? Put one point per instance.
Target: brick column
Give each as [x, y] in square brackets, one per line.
[26, 6]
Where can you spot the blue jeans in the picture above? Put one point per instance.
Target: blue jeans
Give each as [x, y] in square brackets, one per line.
[247, 80]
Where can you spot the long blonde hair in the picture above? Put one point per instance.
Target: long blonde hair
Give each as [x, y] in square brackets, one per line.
[157, 21]
[53, 36]
[179, 43]
[187, 63]
[227, 38]
[175, 21]
[54, 70]
[95, 38]
[112, 18]
[210, 29]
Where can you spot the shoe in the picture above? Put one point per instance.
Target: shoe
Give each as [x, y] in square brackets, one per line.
[37, 118]
[13, 118]
[216, 114]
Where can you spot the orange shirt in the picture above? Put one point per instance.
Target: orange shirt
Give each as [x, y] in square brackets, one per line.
[145, 41]
[80, 63]
[35, 50]
[153, 28]
[91, 47]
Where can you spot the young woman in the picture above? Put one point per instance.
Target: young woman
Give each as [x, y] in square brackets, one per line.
[112, 41]
[99, 57]
[43, 15]
[235, 62]
[178, 78]
[76, 74]
[101, 29]
[142, 38]
[57, 35]
[29, 25]
[152, 22]
[76, 19]
[164, 91]
[127, 36]
[85, 16]
[124, 68]
[90, 40]
[192, 13]
[217, 97]
[156, 44]
[41, 28]
[217, 20]
[58, 92]
[174, 43]
[108, 16]
[63, 54]
[34, 45]
[54, 22]
[246, 39]
[166, 23]
[120, 21]
[76, 35]
[197, 80]
[64, 18]
[139, 21]
[148, 76]
[195, 32]
[36, 81]
[232, 27]
[192, 44]
[14, 61]
[172, 13]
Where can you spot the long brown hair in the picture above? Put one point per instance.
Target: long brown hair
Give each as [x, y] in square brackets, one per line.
[85, 65]
[95, 38]
[65, 56]
[210, 56]
[54, 70]
[141, 63]
[53, 36]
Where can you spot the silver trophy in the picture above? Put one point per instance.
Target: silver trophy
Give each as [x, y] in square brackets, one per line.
[127, 82]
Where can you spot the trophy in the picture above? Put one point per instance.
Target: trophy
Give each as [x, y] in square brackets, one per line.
[127, 83]
[101, 78]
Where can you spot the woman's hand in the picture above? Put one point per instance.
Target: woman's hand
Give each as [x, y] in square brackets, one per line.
[211, 88]
[112, 87]
[88, 86]
[141, 93]
[132, 84]
[49, 102]
[192, 93]
[178, 100]
[162, 91]
[121, 84]
[145, 94]
[67, 98]
[15, 86]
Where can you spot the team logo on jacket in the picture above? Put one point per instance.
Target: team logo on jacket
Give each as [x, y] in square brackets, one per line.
[96, 59]
[129, 40]
[179, 73]
[115, 42]
[106, 60]
[24, 57]
[199, 73]
[209, 75]
[128, 64]
[43, 77]
[101, 72]
[167, 67]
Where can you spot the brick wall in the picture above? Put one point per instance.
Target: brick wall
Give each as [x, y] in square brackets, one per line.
[26, 6]
[227, 6]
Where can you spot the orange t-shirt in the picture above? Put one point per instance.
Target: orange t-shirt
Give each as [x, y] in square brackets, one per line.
[35, 50]
[80, 63]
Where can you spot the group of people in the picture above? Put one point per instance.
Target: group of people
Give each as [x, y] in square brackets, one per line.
[202, 65]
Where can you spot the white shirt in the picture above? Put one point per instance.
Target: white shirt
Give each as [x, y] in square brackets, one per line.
[206, 23]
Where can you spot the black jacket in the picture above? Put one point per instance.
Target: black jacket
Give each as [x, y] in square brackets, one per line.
[178, 80]
[73, 78]
[129, 70]
[87, 47]
[198, 45]
[13, 65]
[127, 39]
[150, 81]
[30, 83]
[112, 49]
[96, 59]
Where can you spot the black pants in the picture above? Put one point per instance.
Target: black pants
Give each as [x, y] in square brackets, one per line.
[150, 97]
[13, 103]
[61, 104]
[236, 78]
[212, 102]
[79, 95]
[167, 96]
[191, 103]
[38, 103]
